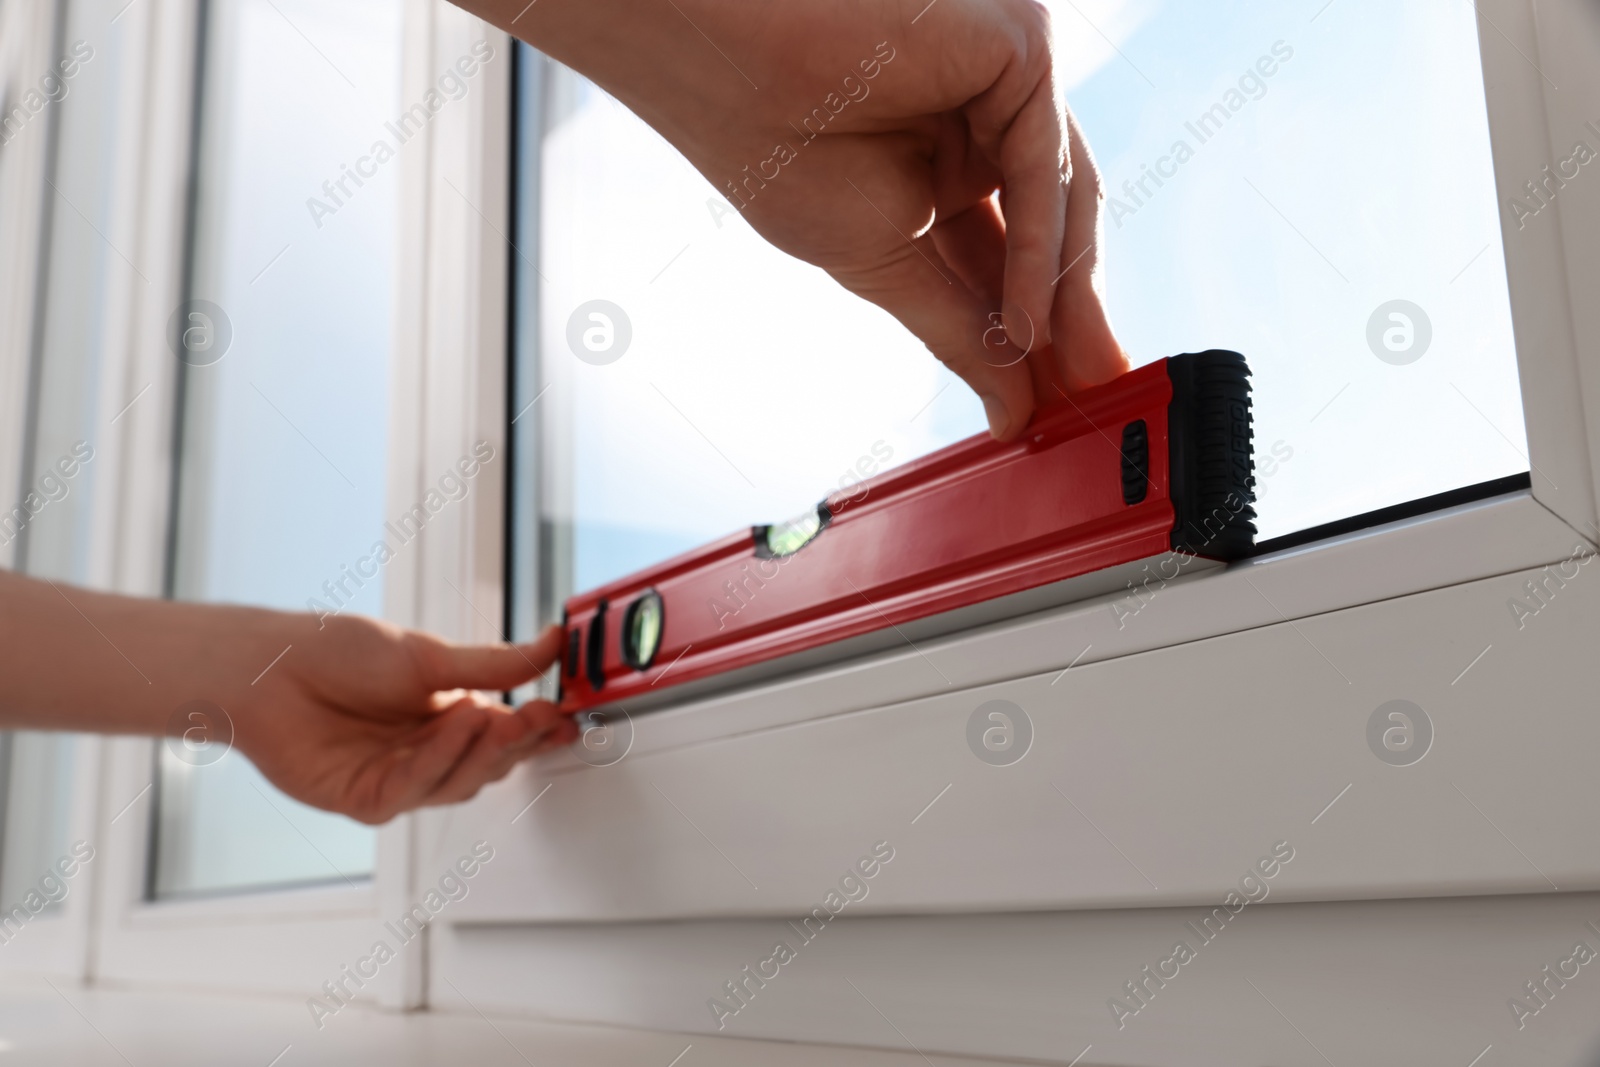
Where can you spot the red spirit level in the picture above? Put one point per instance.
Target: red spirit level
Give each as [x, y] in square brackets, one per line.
[1158, 460]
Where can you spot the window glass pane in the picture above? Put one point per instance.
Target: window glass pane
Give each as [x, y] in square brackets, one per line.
[37, 810]
[751, 386]
[73, 134]
[285, 433]
[1333, 217]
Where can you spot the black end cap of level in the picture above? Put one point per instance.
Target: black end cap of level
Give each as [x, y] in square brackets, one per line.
[1210, 452]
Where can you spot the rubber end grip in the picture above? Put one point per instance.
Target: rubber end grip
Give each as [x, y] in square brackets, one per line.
[1211, 456]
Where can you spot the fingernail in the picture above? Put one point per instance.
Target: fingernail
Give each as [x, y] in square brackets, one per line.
[999, 418]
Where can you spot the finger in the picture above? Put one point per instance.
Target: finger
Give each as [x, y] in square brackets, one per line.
[1087, 351]
[445, 665]
[438, 748]
[538, 716]
[968, 228]
[469, 773]
[917, 287]
[510, 737]
[548, 728]
[559, 735]
[1048, 387]
[553, 732]
[1035, 206]
[1020, 120]
[563, 734]
[973, 244]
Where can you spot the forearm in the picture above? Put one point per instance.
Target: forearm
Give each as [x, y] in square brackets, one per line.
[620, 43]
[74, 659]
[689, 68]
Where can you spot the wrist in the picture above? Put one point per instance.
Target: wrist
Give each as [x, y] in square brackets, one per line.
[234, 657]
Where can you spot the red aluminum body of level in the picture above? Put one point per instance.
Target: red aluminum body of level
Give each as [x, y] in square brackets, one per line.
[977, 520]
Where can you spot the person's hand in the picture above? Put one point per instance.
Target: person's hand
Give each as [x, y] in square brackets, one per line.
[370, 720]
[870, 139]
[347, 714]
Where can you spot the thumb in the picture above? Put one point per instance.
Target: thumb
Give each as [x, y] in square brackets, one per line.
[446, 665]
[1086, 346]
[964, 332]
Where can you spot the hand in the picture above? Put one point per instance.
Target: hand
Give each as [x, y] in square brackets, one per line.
[917, 114]
[370, 720]
[351, 715]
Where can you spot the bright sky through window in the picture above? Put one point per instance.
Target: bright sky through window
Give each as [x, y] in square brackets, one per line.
[1309, 187]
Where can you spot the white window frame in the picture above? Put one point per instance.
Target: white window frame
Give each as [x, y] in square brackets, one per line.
[1454, 546]
[586, 868]
[27, 43]
[560, 879]
[292, 939]
[61, 942]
